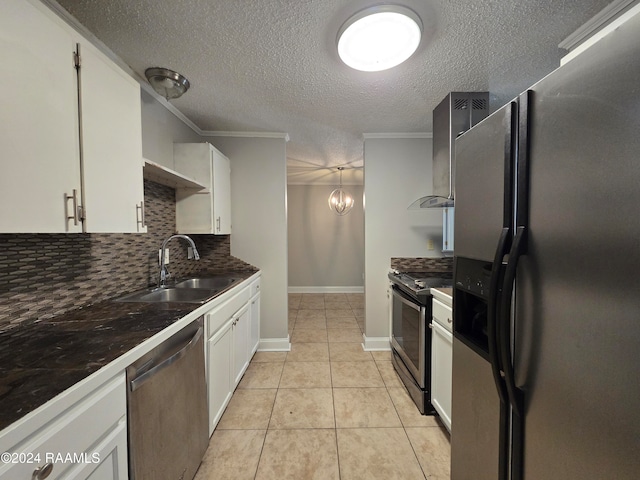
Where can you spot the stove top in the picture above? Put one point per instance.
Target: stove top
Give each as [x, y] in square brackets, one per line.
[421, 283]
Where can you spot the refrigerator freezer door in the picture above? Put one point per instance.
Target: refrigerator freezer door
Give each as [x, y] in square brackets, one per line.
[577, 289]
[475, 414]
[484, 186]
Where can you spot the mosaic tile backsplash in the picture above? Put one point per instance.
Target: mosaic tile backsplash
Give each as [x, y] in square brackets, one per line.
[44, 275]
[422, 264]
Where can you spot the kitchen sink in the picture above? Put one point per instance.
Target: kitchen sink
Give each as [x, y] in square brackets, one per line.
[171, 294]
[213, 283]
[190, 290]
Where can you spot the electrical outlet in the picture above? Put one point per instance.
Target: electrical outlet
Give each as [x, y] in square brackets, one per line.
[430, 245]
[166, 256]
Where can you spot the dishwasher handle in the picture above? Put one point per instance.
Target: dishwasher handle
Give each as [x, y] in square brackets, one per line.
[139, 381]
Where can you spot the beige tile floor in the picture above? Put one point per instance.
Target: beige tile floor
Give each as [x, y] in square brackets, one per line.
[326, 409]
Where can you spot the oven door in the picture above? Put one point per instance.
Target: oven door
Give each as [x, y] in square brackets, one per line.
[408, 334]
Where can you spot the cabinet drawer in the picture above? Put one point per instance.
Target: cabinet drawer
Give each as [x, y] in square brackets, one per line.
[217, 317]
[442, 314]
[67, 441]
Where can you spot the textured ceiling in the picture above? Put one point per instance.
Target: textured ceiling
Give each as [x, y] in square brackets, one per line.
[272, 65]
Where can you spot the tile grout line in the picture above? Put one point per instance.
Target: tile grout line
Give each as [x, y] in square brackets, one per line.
[264, 440]
[335, 420]
[404, 427]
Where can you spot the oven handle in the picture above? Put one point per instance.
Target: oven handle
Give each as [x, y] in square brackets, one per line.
[404, 298]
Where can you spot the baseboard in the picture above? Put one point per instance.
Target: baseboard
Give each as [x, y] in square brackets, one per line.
[274, 345]
[375, 344]
[355, 289]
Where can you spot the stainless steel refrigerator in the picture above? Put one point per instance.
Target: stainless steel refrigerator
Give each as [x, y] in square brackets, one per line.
[546, 353]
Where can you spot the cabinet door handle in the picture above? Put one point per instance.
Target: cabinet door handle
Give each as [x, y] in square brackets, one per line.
[142, 221]
[218, 224]
[42, 472]
[448, 320]
[74, 198]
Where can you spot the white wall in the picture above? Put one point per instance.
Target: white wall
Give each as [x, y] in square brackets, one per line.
[397, 171]
[160, 130]
[326, 251]
[259, 223]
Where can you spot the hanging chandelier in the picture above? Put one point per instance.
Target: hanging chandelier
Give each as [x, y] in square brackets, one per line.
[340, 201]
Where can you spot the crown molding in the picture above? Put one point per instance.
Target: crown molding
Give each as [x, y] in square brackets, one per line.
[605, 16]
[213, 133]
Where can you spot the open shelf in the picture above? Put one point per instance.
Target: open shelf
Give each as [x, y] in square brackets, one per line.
[165, 176]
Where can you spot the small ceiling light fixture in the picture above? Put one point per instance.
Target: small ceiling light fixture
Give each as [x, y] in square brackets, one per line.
[341, 201]
[166, 82]
[380, 37]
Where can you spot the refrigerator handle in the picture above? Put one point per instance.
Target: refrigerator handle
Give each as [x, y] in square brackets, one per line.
[493, 313]
[504, 328]
[493, 332]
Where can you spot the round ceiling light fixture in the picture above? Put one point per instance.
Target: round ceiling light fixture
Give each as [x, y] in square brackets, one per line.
[380, 37]
[166, 82]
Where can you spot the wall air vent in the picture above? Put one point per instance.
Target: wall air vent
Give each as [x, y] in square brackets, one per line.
[460, 103]
[479, 104]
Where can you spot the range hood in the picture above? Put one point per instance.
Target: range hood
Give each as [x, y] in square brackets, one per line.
[457, 113]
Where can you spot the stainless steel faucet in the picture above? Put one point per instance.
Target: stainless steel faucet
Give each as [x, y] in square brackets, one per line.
[164, 272]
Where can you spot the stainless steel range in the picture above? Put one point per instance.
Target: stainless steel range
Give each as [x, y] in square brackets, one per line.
[410, 335]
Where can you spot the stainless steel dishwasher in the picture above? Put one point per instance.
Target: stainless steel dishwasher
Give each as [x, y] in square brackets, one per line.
[167, 408]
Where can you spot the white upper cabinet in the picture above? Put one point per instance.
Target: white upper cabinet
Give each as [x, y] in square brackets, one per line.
[71, 140]
[112, 145]
[203, 211]
[39, 117]
[221, 193]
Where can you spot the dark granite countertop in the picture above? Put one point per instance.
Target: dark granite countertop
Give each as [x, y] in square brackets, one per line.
[41, 360]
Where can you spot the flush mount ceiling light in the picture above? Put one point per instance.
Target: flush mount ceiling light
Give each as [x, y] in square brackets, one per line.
[340, 201]
[166, 82]
[379, 38]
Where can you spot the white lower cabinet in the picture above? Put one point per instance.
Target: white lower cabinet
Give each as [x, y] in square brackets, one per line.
[233, 336]
[441, 360]
[219, 383]
[254, 312]
[88, 440]
[241, 350]
[112, 452]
